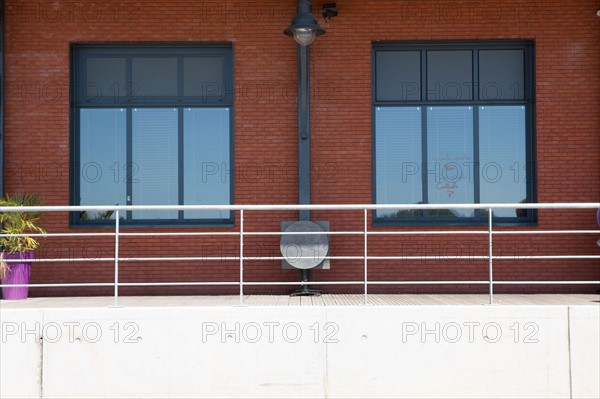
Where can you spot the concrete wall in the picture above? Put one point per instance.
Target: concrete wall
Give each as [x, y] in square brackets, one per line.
[451, 351]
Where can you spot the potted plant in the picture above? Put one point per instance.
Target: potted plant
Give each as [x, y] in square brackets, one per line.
[19, 247]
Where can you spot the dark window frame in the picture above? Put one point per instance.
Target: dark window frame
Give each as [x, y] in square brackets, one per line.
[528, 102]
[155, 50]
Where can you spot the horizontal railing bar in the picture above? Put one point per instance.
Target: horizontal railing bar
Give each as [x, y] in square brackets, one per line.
[281, 207]
[497, 232]
[203, 283]
[252, 258]
[424, 232]
[59, 285]
[479, 257]
[478, 282]
[257, 258]
[427, 282]
[112, 284]
[42, 260]
[546, 282]
[231, 258]
[158, 259]
[191, 233]
[305, 283]
[427, 257]
[420, 232]
[275, 258]
[548, 257]
[206, 283]
[289, 233]
[60, 235]
[199, 283]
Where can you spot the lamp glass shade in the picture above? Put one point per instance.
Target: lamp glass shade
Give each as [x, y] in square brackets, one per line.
[304, 36]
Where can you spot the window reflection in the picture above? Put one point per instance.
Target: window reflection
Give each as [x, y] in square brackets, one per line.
[503, 157]
[450, 159]
[155, 158]
[398, 169]
[102, 160]
[207, 172]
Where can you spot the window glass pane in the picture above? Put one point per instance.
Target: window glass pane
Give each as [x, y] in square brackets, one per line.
[449, 75]
[207, 171]
[503, 157]
[154, 77]
[104, 77]
[501, 75]
[155, 161]
[203, 77]
[398, 75]
[450, 159]
[398, 159]
[102, 160]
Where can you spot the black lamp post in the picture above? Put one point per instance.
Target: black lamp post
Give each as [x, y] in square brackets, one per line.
[304, 29]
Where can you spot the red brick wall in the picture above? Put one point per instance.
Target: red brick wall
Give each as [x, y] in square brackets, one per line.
[38, 35]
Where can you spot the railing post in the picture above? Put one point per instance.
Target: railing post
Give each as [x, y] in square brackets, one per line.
[490, 256]
[241, 257]
[366, 259]
[116, 258]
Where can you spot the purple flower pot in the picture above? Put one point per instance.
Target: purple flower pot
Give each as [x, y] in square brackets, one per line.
[17, 273]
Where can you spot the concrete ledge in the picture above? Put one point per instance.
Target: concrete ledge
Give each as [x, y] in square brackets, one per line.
[274, 351]
[585, 351]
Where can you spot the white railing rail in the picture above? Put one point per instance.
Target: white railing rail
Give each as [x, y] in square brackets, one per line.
[365, 232]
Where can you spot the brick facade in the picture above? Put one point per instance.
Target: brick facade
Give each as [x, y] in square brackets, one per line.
[38, 36]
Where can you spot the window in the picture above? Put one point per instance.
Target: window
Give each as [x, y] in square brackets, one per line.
[453, 125]
[152, 126]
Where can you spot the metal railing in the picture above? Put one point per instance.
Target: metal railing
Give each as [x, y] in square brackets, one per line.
[365, 257]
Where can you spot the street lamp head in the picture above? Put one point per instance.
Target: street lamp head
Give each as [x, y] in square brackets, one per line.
[304, 27]
[305, 36]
